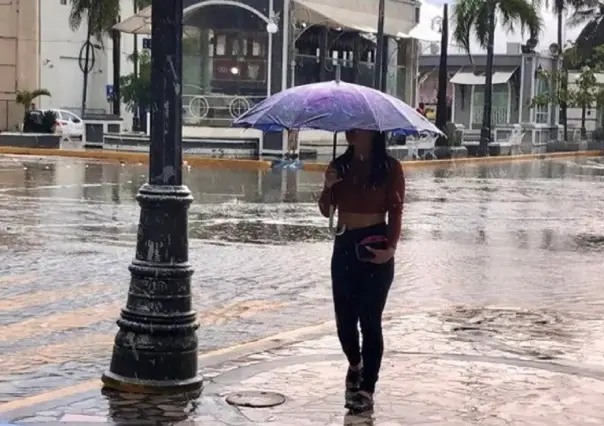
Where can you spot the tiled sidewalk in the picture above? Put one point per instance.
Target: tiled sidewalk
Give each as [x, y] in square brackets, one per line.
[459, 367]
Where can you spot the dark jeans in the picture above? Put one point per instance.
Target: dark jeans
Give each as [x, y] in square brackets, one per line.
[360, 290]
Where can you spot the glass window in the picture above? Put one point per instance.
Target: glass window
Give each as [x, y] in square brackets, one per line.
[542, 112]
[220, 45]
[499, 109]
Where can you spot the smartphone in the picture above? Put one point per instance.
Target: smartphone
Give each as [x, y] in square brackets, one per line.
[378, 242]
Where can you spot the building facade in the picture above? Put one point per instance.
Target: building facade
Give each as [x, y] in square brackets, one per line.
[39, 50]
[19, 58]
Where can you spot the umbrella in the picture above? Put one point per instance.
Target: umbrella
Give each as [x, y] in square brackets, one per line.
[335, 106]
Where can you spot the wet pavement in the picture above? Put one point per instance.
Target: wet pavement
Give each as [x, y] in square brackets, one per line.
[525, 236]
[433, 374]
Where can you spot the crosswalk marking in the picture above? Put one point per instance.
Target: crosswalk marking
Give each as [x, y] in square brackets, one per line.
[50, 296]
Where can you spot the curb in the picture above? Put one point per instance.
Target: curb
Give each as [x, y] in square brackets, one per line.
[240, 164]
[319, 167]
[138, 157]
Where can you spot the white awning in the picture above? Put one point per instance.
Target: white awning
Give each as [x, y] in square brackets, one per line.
[139, 23]
[356, 15]
[471, 79]
[424, 32]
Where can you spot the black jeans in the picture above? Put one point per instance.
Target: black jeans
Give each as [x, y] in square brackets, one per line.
[360, 290]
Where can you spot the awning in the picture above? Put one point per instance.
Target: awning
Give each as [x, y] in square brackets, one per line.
[356, 15]
[424, 32]
[471, 79]
[139, 23]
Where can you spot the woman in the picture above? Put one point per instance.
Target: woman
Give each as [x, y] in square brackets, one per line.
[365, 185]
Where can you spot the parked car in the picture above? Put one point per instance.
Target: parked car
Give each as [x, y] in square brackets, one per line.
[69, 124]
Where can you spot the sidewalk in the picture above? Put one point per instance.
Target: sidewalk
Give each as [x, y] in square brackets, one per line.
[459, 367]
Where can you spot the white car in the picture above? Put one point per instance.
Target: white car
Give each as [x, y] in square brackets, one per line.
[69, 124]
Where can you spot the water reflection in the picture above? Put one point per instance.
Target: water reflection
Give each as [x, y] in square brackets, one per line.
[504, 233]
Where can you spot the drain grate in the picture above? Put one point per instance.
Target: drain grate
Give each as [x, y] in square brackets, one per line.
[255, 399]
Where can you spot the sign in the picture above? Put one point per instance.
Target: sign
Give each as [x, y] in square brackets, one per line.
[109, 91]
[147, 43]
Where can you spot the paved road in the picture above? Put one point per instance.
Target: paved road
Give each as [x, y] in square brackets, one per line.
[526, 236]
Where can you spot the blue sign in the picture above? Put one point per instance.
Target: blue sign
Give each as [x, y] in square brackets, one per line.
[147, 43]
[109, 90]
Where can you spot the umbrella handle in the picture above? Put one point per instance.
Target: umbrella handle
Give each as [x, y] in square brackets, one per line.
[333, 230]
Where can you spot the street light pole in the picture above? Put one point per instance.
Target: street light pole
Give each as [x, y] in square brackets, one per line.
[155, 349]
[379, 49]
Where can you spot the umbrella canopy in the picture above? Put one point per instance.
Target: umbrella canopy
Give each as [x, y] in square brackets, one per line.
[335, 106]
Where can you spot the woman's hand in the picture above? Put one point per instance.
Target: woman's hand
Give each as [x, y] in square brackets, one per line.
[381, 256]
[331, 177]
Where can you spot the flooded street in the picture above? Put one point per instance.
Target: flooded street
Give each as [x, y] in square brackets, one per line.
[525, 239]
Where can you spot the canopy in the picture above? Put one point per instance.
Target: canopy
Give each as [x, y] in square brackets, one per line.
[471, 79]
[357, 15]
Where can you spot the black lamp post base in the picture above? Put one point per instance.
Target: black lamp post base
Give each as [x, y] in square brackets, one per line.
[156, 348]
[153, 387]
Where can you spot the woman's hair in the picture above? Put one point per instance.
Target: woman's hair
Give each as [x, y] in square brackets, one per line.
[379, 160]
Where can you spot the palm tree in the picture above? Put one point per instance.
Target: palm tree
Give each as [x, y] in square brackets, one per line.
[26, 97]
[589, 13]
[100, 15]
[476, 18]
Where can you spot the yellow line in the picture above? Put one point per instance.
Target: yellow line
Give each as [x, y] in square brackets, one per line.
[82, 348]
[137, 157]
[44, 297]
[16, 279]
[91, 346]
[319, 167]
[282, 338]
[80, 318]
[196, 161]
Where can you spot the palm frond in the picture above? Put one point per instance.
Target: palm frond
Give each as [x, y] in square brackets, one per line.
[465, 14]
[522, 12]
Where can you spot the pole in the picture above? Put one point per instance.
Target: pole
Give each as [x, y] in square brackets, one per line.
[441, 98]
[86, 65]
[117, 58]
[136, 121]
[155, 349]
[379, 47]
[485, 131]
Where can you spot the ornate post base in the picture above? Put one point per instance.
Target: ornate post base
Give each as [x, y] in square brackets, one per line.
[155, 350]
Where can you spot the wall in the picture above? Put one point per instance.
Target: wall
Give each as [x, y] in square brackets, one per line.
[18, 56]
[60, 72]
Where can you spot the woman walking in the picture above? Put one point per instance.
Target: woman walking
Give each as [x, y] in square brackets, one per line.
[367, 187]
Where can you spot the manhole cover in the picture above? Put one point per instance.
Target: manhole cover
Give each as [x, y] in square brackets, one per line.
[255, 399]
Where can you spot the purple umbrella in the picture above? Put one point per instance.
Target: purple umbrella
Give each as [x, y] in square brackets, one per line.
[335, 106]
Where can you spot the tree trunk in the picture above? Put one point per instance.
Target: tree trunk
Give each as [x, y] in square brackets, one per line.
[583, 118]
[117, 59]
[441, 96]
[561, 73]
[485, 132]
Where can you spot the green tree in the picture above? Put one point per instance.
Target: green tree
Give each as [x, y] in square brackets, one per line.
[583, 92]
[101, 16]
[477, 19]
[136, 88]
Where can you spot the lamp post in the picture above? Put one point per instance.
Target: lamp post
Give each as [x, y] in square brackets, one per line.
[441, 98]
[155, 349]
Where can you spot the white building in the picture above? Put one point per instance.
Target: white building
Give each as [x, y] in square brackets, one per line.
[431, 10]
[60, 49]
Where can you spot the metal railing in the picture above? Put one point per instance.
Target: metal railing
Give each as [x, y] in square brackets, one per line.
[499, 115]
[215, 109]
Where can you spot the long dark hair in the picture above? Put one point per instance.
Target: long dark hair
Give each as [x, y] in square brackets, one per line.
[379, 160]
